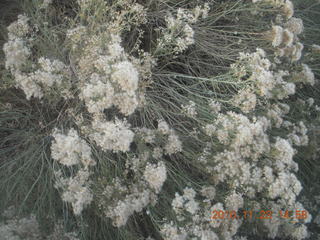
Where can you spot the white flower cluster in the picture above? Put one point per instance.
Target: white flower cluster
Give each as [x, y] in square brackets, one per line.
[217, 207]
[75, 35]
[286, 186]
[60, 233]
[155, 175]
[276, 112]
[173, 144]
[157, 153]
[196, 220]
[17, 52]
[246, 100]
[163, 127]
[284, 37]
[286, 6]
[148, 135]
[190, 109]
[179, 33]
[298, 136]
[106, 75]
[19, 29]
[275, 225]
[186, 202]
[214, 106]
[245, 140]
[36, 83]
[295, 25]
[283, 154]
[103, 94]
[305, 76]
[20, 229]
[275, 177]
[126, 76]
[29, 85]
[300, 232]
[249, 160]
[120, 199]
[239, 133]
[76, 190]
[115, 136]
[16, 49]
[258, 66]
[112, 78]
[50, 72]
[266, 83]
[171, 232]
[252, 163]
[71, 150]
[234, 201]
[134, 202]
[209, 192]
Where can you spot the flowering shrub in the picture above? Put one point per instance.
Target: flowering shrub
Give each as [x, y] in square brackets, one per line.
[142, 119]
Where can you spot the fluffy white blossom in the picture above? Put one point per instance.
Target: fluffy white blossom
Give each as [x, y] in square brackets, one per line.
[75, 35]
[288, 38]
[307, 75]
[296, 51]
[163, 127]
[179, 33]
[98, 95]
[26, 228]
[126, 103]
[186, 202]
[288, 8]
[148, 135]
[171, 232]
[188, 39]
[215, 106]
[174, 144]
[208, 192]
[295, 25]
[286, 186]
[75, 189]
[283, 151]
[155, 175]
[234, 201]
[276, 35]
[19, 29]
[29, 85]
[133, 202]
[115, 136]
[50, 72]
[17, 54]
[126, 76]
[116, 50]
[245, 100]
[300, 232]
[190, 109]
[258, 66]
[157, 153]
[70, 149]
